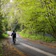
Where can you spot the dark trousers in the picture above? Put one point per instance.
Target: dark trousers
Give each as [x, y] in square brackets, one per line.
[14, 40]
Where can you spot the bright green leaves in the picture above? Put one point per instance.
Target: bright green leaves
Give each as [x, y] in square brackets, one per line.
[37, 15]
[33, 15]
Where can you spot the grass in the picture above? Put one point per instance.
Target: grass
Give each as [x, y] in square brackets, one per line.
[38, 37]
[1, 50]
[3, 36]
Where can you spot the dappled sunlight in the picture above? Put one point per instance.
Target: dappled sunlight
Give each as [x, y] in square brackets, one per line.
[30, 23]
[11, 0]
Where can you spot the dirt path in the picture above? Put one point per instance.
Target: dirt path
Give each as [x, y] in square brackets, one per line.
[9, 50]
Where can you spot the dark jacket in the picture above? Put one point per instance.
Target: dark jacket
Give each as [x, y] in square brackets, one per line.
[13, 35]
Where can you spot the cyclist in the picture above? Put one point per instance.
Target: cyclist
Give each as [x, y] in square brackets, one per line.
[13, 36]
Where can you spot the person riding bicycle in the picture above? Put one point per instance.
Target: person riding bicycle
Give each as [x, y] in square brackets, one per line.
[13, 36]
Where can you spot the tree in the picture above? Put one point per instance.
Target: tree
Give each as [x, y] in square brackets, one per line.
[32, 16]
[38, 15]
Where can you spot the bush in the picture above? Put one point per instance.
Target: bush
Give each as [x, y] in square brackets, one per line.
[37, 37]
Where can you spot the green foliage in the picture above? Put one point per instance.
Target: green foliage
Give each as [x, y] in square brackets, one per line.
[1, 30]
[5, 35]
[38, 16]
[1, 52]
[37, 37]
[32, 16]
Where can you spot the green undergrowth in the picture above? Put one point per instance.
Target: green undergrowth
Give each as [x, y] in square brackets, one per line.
[4, 35]
[37, 37]
[1, 50]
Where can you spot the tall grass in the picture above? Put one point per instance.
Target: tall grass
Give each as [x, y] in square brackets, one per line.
[37, 37]
[1, 50]
[4, 35]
